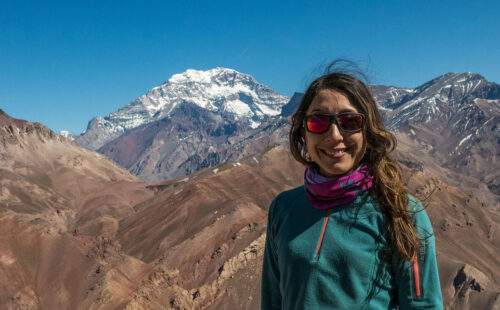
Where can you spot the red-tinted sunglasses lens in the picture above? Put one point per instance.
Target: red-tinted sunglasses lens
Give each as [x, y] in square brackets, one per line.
[317, 123]
[347, 122]
[350, 122]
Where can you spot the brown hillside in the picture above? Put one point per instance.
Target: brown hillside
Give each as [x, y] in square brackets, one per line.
[78, 232]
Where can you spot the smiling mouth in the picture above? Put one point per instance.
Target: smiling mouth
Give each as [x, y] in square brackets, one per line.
[334, 153]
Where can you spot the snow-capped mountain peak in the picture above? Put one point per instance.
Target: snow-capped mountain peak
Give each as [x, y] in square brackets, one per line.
[221, 90]
[205, 77]
[439, 98]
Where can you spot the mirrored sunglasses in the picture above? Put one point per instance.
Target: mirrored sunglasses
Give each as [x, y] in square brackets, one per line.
[347, 122]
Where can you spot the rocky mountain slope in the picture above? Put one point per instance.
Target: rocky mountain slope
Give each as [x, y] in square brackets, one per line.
[78, 232]
[220, 90]
[69, 240]
[51, 190]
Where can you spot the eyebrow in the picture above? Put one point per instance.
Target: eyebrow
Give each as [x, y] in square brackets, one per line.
[341, 111]
[317, 110]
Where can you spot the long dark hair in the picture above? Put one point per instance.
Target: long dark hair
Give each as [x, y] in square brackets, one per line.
[388, 188]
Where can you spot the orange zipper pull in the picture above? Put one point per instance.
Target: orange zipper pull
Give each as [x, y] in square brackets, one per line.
[416, 276]
[323, 232]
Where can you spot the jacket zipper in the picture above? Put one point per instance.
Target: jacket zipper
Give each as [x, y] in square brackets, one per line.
[323, 232]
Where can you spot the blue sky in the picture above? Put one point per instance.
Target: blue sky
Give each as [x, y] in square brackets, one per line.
[64, 62]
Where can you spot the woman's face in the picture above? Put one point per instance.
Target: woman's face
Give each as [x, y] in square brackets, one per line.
[335, 152]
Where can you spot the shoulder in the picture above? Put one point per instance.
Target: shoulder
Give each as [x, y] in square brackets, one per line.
[290, 197]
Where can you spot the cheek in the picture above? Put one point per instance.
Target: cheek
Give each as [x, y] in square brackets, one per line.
[310, 143]
[309, 139]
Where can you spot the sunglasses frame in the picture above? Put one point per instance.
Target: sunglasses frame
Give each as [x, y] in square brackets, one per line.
[335, 117]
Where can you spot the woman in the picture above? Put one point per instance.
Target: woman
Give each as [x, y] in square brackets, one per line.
[351, 237]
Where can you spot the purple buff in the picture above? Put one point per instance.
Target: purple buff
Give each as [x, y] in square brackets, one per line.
[325, 193]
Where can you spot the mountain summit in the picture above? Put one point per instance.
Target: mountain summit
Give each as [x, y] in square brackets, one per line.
[220, 90]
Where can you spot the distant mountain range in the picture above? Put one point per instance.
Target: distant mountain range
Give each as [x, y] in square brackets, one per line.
[455, 118]
[200, 119]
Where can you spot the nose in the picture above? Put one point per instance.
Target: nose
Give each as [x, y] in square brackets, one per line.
[334, 133]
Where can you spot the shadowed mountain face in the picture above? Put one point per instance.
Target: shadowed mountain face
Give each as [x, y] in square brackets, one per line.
[192, 138]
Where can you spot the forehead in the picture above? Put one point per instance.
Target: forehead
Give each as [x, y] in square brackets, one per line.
[331, 101]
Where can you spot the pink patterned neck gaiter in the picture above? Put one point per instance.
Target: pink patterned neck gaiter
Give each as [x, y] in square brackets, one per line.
[325, 193]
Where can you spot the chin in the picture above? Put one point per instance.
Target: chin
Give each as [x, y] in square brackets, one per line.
[335, 172]
[338, 169]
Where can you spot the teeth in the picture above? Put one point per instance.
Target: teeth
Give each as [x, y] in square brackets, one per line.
[333, 153]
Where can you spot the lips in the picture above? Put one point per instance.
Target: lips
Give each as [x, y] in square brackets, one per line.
[337, 153]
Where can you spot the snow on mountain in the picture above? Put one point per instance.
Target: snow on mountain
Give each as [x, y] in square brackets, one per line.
[438, 100]
[68, 134]
[452, 108]
[221, 90]
[389, 97]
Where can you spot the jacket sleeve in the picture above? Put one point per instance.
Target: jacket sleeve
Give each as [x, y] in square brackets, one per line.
[418, 281]
[270, 290]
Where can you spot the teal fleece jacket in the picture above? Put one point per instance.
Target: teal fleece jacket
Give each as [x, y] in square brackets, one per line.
[341, 258]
